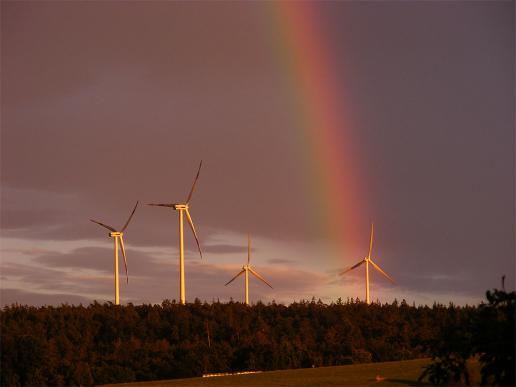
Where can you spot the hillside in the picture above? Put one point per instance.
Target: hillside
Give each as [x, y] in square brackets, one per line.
[396, 373]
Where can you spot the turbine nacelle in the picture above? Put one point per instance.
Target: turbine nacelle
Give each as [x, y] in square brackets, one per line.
[116, 234]
[175, 206]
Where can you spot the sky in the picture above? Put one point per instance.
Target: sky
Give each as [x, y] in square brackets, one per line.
[313, 119]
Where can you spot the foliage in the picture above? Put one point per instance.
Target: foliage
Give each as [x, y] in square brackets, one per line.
[105, 343]
[495, 340]
[486, 332]
[446, 371]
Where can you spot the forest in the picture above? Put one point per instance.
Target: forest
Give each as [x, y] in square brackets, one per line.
[104, 343]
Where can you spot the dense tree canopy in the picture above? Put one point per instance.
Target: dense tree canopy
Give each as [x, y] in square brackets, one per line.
[486, 333]
[104, 343]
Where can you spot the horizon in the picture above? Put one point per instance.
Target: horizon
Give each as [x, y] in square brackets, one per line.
[348, 301]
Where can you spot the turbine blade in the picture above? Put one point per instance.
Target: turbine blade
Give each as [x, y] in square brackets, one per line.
[353, 267]
[104, 225]
[382, 272]
[130, 216]
[122, 247]
[193, 185]
[190, 222]
[260, 278]
[161, 204]
[234, 278]
[371, 243]
[248, 248]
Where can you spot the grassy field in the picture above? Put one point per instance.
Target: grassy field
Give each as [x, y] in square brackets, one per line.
[397, 373]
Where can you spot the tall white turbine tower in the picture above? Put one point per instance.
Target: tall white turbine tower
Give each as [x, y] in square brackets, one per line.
[248, 269]
[118, 236]
[367, 260]
[183, 209]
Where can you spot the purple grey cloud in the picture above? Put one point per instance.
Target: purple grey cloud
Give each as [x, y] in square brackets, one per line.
[96, 118]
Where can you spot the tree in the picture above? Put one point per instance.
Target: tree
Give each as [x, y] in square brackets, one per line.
[494, 338]
[486, 332]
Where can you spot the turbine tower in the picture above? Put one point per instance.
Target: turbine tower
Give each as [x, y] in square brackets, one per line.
[367, 260]
[183, 210]
[118, 236]
[248, 269]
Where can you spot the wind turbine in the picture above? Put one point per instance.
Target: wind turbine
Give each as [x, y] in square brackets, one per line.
[182, 208]
[367, 260]
[118, 235]
[248, 269]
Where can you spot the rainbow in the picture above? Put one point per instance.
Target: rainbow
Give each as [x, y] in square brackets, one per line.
[325, 128]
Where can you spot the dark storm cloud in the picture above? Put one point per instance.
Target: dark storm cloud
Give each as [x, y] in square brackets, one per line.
[110, 145]
[104, 104]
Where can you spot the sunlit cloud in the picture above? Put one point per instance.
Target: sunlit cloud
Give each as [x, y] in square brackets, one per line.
[86, 273]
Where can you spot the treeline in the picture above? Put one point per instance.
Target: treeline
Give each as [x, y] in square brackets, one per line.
[104, 343]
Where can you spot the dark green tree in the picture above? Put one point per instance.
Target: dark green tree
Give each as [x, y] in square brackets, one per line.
[494, 339]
